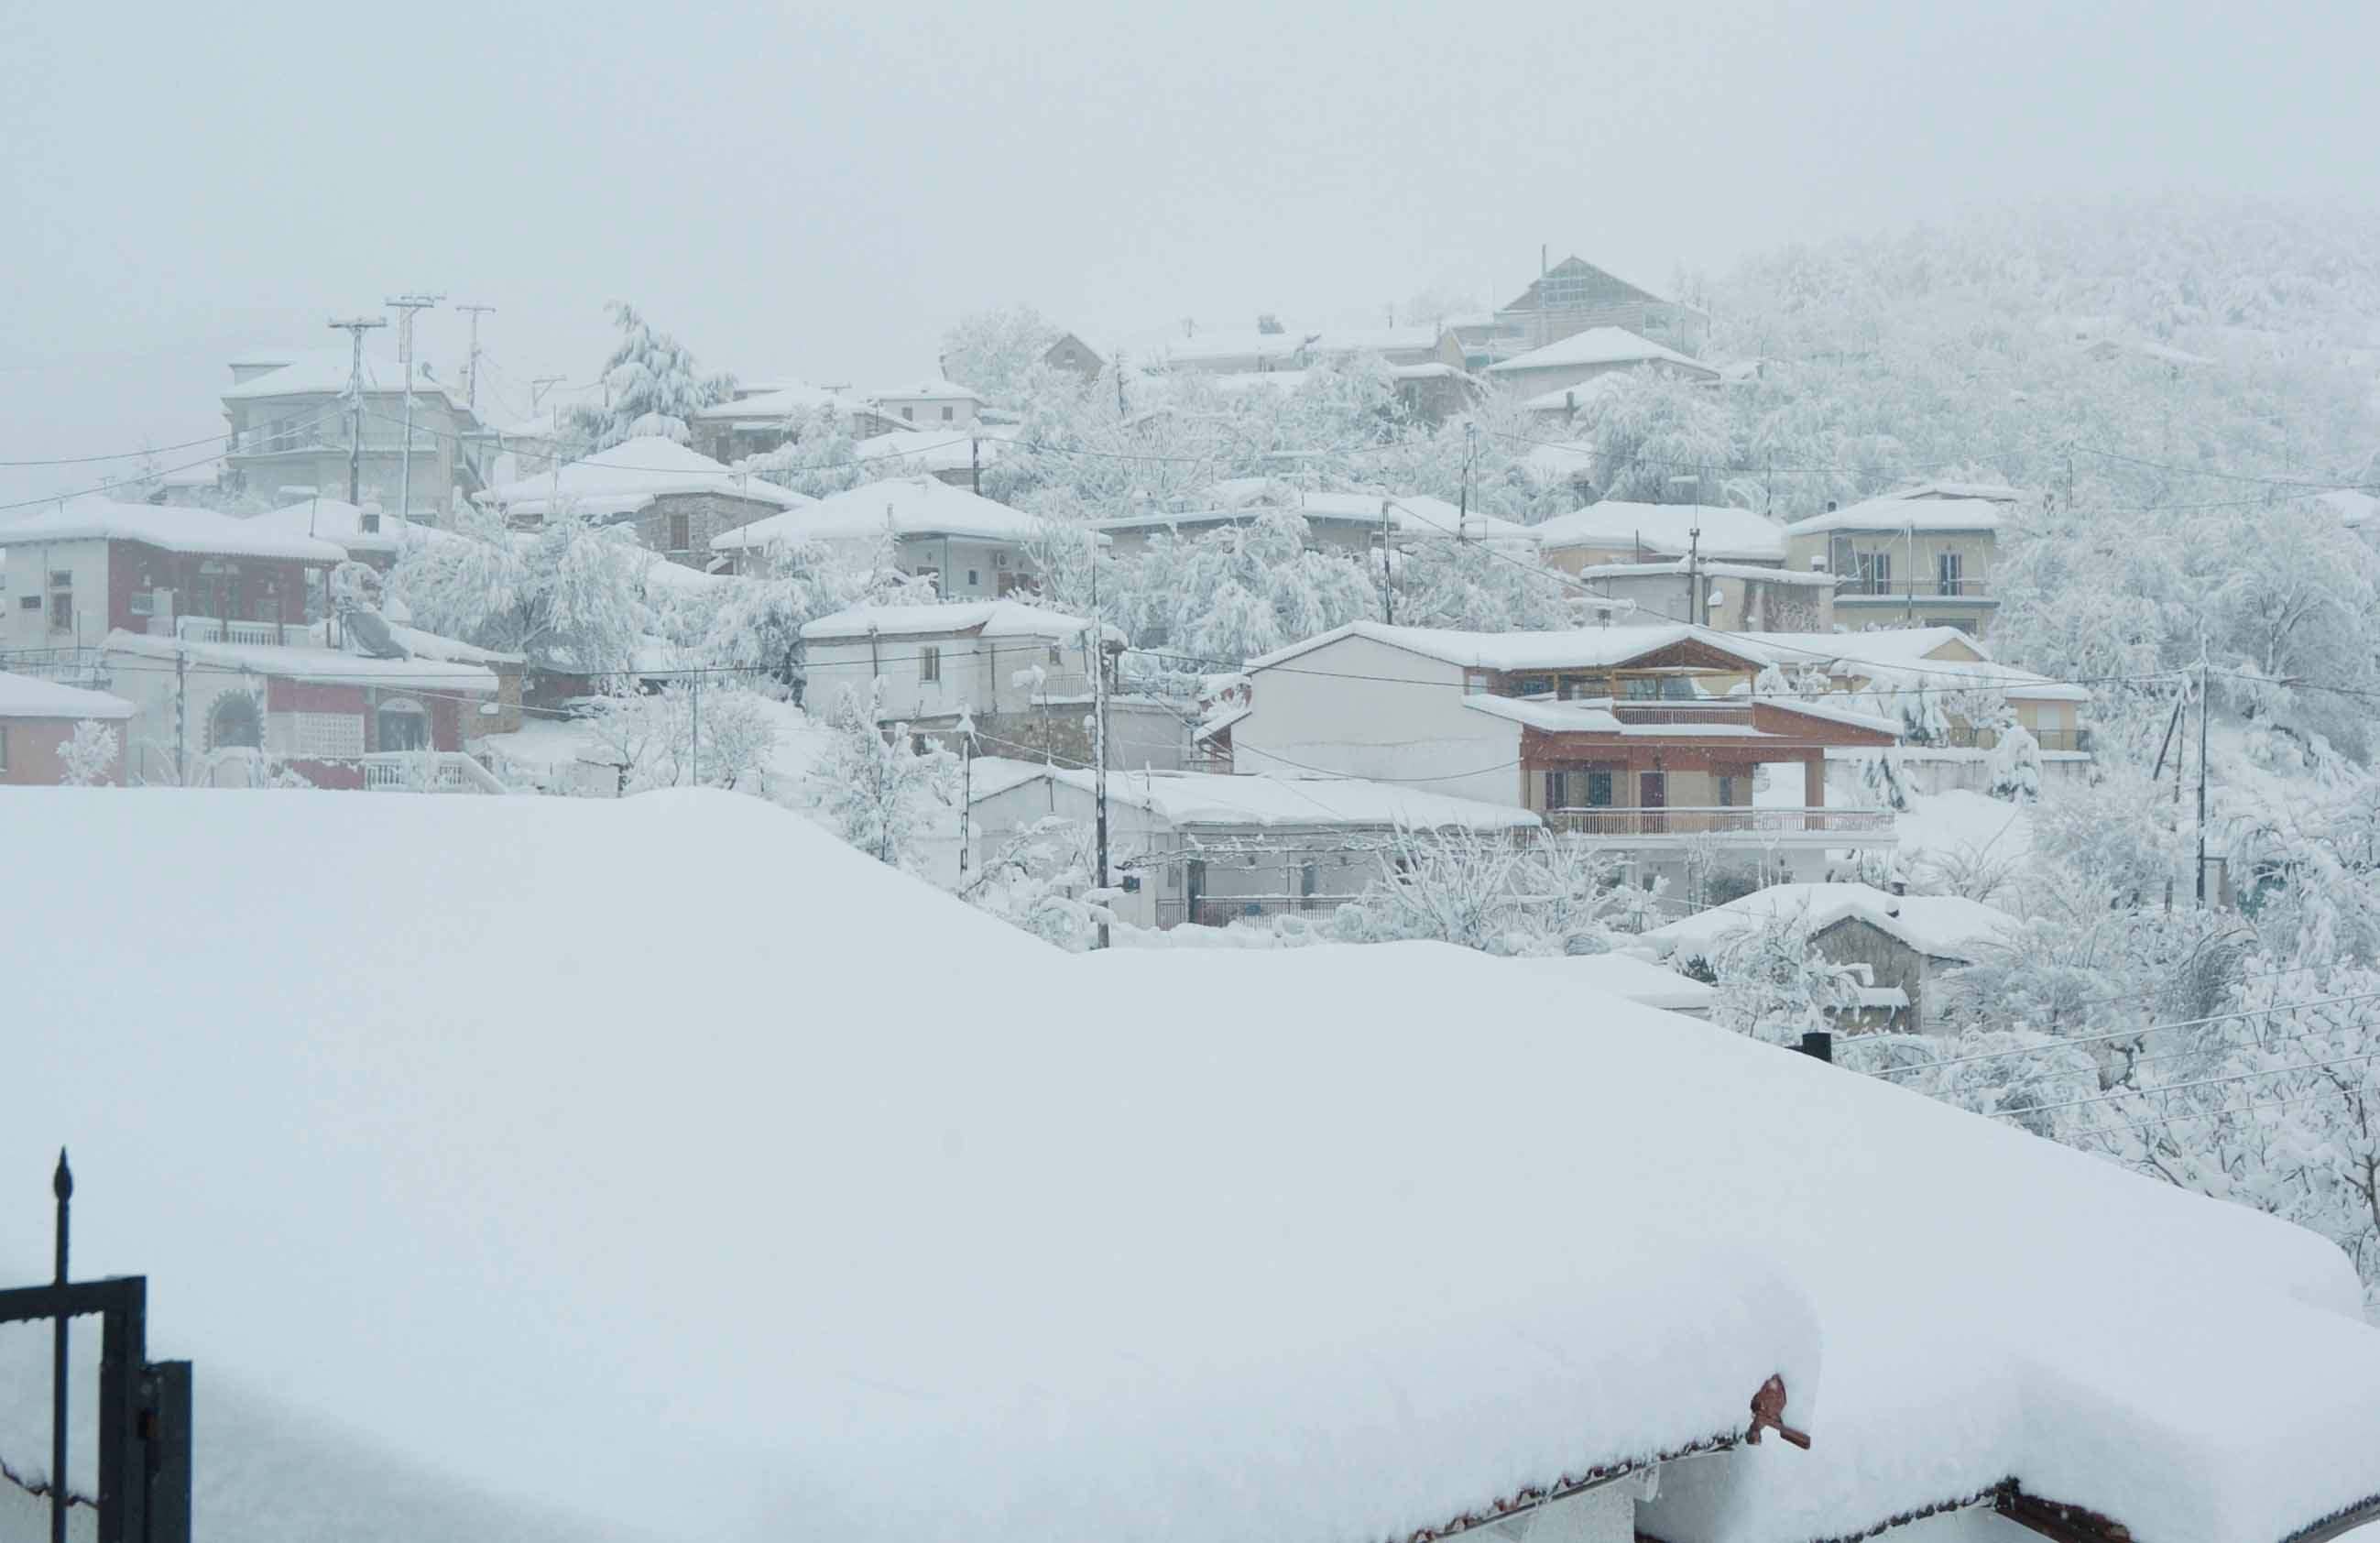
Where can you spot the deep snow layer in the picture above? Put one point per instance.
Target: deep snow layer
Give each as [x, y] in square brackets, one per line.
[667, 1160]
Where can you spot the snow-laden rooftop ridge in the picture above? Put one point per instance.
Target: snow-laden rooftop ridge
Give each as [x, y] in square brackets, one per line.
[169, 527]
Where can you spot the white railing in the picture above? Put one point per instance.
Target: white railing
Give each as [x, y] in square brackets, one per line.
[427, 771]
[211, 630]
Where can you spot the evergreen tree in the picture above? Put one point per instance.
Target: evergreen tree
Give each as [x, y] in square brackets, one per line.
[654, 387]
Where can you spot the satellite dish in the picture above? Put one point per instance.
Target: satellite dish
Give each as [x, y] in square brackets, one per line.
[371, 634]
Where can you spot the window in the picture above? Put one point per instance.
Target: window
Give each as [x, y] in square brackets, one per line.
[1537, 686]
[403, 725]
[1876, 572]
[949, 413]
[62, 610]
[1598, 790]
[1477, 683]
[1057, 654]
[61, 579]
[909, 413]
[1309, 880]
[974, 579]
[144, 602]
[1946, 567]
[681, 533]
[1557, 790]
[371, 522]
[929, 663]
[1639, 688]
[236, 720]
[28, 603]
[1727, 790]
[1000, 561]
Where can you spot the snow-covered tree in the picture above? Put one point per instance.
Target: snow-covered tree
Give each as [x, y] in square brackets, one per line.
[1041, 880]
[2015, 766]
[1646, 430]
[668, 738]
[88, 758]
[653, 386]
[1480, 587]
[873, 788]
[1238, 592]
[570, 595]
[1493, 891]
[995, 350]
[819, 458]
[1775, 985]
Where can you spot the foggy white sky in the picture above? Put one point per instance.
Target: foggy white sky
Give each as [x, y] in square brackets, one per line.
[820, 191]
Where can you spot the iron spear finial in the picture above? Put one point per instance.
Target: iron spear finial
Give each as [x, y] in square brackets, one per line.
[62, 1182]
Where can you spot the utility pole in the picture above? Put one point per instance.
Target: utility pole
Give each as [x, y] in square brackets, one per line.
[2202, 780]
[355, 327]
[471, 365]
[1469, 448]
[181, 713]
[1388, 575]
[693, 751]
[1695, 610]
[975, 465]
[405, 305]
[1097, 652]
[61, 1185]
[1120, 412]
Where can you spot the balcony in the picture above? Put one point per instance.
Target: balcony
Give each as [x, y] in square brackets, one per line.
[1843, 827]
[428, 771]
[1863, 589]
[1962, 737]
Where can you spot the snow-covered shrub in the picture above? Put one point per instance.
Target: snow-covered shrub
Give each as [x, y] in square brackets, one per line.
[876, 790]
[1041, 879]
[1773, 983]
[2015, 765]
[1541, 893]
[668, 738]
[655, 388]
[88, 758]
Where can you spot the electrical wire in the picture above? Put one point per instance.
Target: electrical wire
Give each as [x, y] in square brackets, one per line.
[2121, 1034]
[2202, 1081]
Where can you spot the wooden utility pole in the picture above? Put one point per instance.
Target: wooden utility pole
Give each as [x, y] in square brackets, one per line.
[1388, 574]
[355, 327]
[471, 363]
[2202, 780]
[405, 305]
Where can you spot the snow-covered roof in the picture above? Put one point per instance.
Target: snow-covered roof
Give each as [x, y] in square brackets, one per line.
[1599, 345]
[1291, 799]
[1737, 535]
[1571, 648]
[897, 507]
[1558, 463]
[632, 474]
[1318, 342]
[312, 666]
[985, 618]
[1991, 493]
[1898, 655]
[1622, 975]
[1676, 568]
[340, 523]
[1906, 514]
[940, 449]
[1557, 717]
[1946, 926]
[2356, 510]
[326, 371]
[1578, 395]
[934, 390]
[1250, 1263]
[781, 400]
[30, 697]
[429, 645]
[170, 527]
[1411, 514]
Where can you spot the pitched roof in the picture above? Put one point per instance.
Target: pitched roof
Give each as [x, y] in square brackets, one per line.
[1738, 535]
[632, 474]
[782, 400]
[1991, 493]
[30, 697]
[170, 527]
[1905, 514]
[1600, 345]
[1904, 656]
[896, 507]
[934, 390]
[1945, 925]
[1598, 647]
[335, 520]
[1623, 975]
[1254, 1266]
[326, 371]
[988, 618]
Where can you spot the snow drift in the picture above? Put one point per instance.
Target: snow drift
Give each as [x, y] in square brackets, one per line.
[668, 1162]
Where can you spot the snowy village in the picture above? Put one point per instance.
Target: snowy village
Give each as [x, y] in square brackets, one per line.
[965, 871]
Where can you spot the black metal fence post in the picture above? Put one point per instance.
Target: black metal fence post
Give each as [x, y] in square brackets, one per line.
[61, 1185]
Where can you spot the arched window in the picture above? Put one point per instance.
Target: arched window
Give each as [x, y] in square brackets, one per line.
[235, 720]
[404, 725]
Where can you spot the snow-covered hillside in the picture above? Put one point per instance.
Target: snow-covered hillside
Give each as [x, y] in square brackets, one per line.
[666, 1160]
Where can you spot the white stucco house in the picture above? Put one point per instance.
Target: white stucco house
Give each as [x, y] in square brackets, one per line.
[934, 403]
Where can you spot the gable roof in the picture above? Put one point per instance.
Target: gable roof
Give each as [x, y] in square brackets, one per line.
[340, 523]
[30, 697]
[1255, 1269]
[780, 401]
[630, 475]
[1944, 926]
[169, 527]
[1901, 656]
[1905, 514]
[326, 371]
[934, 390]
[1600, 345]
[315, 666]
[1290, 800]
[896, 507]
[1599, 648]
[1732, 534]
[988, 618]
[1572, 266]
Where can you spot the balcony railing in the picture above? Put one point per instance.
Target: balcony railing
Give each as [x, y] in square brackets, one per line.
[1682, 712]
[1964, 738]
[211, 630]
[1924, 587]
[1224, 910]
[1749, 823]
[428, 771]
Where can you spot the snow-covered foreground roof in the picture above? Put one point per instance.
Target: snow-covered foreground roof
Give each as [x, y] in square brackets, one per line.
[168, 526]
[1272, 799]
[896, 507]
[632, 474]
[753, 1182]
[1906, 514]
[1573, 649]
[1740, 535]
[1600, 345]
[30, 697]
[1946, 926]
[315, 666]
[1638, 981]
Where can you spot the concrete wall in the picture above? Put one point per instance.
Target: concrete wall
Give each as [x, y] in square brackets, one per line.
[929, 412]
[29, 567]
[962, 569]
[1362, 708]
[975, 674]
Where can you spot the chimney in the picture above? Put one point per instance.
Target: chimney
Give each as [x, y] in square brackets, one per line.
[1818, 1045]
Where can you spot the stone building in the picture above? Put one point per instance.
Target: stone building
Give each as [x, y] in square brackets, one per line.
[677, 499]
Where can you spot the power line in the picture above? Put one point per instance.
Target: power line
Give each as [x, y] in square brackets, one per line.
[2121, 1034]
[159, 471]
[2202, 1081]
